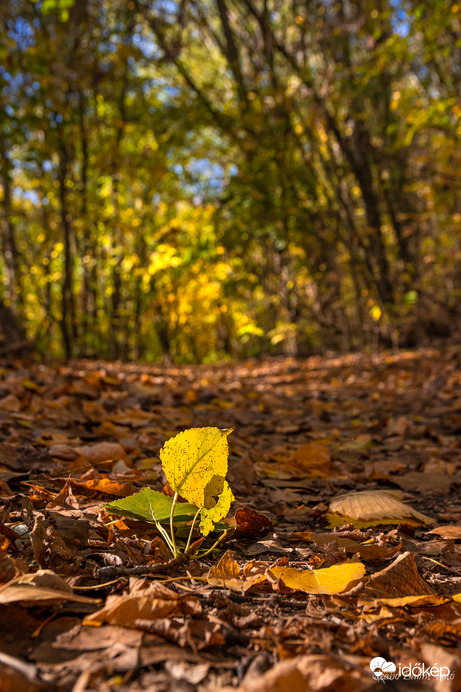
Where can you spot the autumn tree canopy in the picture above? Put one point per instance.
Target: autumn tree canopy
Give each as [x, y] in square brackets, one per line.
[216, 178]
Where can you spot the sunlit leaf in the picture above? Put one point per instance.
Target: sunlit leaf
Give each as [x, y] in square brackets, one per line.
[331, 580]
[195, 464]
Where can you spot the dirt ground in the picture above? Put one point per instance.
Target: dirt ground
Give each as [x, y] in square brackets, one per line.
[92, 601]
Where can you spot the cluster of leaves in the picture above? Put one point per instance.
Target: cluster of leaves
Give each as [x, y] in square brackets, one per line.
[195, 465]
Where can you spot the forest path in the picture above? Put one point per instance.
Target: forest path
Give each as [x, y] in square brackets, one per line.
[75, 436]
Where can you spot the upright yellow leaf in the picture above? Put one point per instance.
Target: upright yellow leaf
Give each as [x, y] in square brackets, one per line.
[195, 464]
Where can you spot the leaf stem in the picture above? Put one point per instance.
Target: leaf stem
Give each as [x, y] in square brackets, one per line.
[191, 530]
[215, 544]
[165, 535]
[173, 541]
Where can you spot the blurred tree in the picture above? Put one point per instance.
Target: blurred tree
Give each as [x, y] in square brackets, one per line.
[194, 180]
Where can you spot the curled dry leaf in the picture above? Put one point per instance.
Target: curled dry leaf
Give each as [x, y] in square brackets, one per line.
[448, 532]
[64, 452]
[227, 573]
[252, 524]
[400, 579]
[372, 508]
[43, 587]
[332, 580]
[145, 601]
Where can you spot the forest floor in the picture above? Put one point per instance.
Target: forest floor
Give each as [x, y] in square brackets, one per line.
[91, 601]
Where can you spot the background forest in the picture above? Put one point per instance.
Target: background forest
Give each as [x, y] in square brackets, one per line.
[196, 180]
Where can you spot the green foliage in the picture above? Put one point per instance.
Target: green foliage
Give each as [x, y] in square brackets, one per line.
[152, 506]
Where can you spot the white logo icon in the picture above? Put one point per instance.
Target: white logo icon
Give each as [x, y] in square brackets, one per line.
[379, 667]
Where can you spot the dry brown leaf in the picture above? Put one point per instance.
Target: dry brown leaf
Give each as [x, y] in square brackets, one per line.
[64, 452]
[102, 451]
[108, 486]
[310, 460]
[448, 532]
[449, 631]
[434, 483]
[399, 579]
[252, 524]
[43, 587]
[372, 507]
[226, 573]
[145, 601]
[10, 402]
[445, 659]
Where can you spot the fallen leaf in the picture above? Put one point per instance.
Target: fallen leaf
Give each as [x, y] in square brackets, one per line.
[226, 573]
[145, 601]
[316, 673]
[434, 483]
[443, 630]
[310, 460]
[251, 524]
[108, 486]
[102, 452]
[10, 402]
[332, 580]
[372, 508]
[43, 588]
[64, 452]
[398, 580]
[449, 532]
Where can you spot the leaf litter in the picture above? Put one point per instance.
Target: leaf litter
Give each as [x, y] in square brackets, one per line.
[343, 543]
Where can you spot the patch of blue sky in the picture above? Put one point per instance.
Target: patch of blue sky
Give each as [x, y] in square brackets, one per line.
[213, 173]
[22, 33]
[400, 19]
[146, 45]
[30, 195]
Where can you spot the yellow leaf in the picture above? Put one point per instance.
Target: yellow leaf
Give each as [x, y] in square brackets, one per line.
[195, 464]
[212, 490]
[331, 580]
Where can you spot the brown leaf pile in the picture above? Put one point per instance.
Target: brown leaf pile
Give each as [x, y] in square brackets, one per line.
[347, 526]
